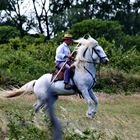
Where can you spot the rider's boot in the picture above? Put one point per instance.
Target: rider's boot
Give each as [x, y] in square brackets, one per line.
[68, 86]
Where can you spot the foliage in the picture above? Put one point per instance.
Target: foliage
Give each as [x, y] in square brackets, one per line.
[28, 58]
[122, 71]
[120, 58]
[6, 33]
[61, 15]
[21, 62]
[115, 81]
[110, 30]
[25, 129]
[87, 134]
[21, 128]
[131, 42]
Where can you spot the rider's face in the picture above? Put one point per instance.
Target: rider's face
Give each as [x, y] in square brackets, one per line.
[68, 41]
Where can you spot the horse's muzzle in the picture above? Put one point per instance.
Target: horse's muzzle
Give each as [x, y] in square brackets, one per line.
[104, 60]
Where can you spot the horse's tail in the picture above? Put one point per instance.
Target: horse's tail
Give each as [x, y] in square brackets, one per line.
[27, 88]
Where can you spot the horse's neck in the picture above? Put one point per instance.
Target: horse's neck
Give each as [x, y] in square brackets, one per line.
[85, 67]
[84, 61]
[91, 67]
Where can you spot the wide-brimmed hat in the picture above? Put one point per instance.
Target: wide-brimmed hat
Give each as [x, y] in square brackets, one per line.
[67, 36]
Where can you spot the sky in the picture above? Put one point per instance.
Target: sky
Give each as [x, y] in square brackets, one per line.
[27, 9]
[27, 4]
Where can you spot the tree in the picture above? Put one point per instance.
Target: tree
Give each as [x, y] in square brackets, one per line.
[41, 14]
[65, 13]
[110, 30]
[15, 13]
[136, 23]
[3, 4]
[59, 15]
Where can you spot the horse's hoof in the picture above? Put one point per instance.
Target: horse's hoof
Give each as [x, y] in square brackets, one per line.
[93, 114]
[89, 115]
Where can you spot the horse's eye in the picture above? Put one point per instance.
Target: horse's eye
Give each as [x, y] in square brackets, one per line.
[97, 50]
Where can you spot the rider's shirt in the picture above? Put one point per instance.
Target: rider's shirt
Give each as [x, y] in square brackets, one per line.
[61, 51]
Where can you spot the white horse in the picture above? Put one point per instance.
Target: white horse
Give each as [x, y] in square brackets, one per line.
[88, 54]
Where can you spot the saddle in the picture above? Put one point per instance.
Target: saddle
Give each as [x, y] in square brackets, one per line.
[59, 75]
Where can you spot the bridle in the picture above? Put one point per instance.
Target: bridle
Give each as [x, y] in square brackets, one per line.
[93, 61]
[88, 61]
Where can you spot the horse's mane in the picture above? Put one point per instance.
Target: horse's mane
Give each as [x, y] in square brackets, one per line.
[84, 44]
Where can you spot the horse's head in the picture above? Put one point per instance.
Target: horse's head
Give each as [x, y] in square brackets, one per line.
[90, 51]
[98, 51]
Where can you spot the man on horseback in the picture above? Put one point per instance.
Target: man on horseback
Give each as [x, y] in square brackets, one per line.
[63, 59]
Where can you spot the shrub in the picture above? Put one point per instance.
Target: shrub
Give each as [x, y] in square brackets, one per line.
[6, 33]
[21, 128]
[126, 60]
[110, 30]
[25, 64]
[131, 41]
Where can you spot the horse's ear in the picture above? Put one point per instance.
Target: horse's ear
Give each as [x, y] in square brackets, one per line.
[76, 41]
[80, 40]
[86, 36]
[92, 41]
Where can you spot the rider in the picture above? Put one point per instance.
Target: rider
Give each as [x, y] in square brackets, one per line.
[63, 55]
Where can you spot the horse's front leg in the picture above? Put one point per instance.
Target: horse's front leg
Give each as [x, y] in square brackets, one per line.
[87, 97]
[96, 102]
[57, 130]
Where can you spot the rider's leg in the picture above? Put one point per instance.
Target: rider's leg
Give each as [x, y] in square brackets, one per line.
[66, 75]
[95, 99]
[66, 69]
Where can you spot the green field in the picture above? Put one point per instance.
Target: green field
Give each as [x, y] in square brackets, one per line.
[118, 117]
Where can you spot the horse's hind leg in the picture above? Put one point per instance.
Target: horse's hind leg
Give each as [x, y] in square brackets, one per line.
[95, 99]
[38, 105]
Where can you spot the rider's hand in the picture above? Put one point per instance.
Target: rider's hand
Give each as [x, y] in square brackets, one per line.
[68, 56]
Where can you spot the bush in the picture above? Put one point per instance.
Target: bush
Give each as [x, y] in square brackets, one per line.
[126, 60]
[22, 62]
[25, 64]
[131, 41]
[110, 30]
[25, 129]
[116, 81]
[6, 33]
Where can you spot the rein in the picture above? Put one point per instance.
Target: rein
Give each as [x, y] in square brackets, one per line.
[94, 81]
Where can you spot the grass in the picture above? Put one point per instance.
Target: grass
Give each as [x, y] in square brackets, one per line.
[118, 117]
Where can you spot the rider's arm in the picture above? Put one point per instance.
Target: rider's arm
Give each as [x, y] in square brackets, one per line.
[62, 53]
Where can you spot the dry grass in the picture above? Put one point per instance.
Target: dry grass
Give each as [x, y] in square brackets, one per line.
[118, 115]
